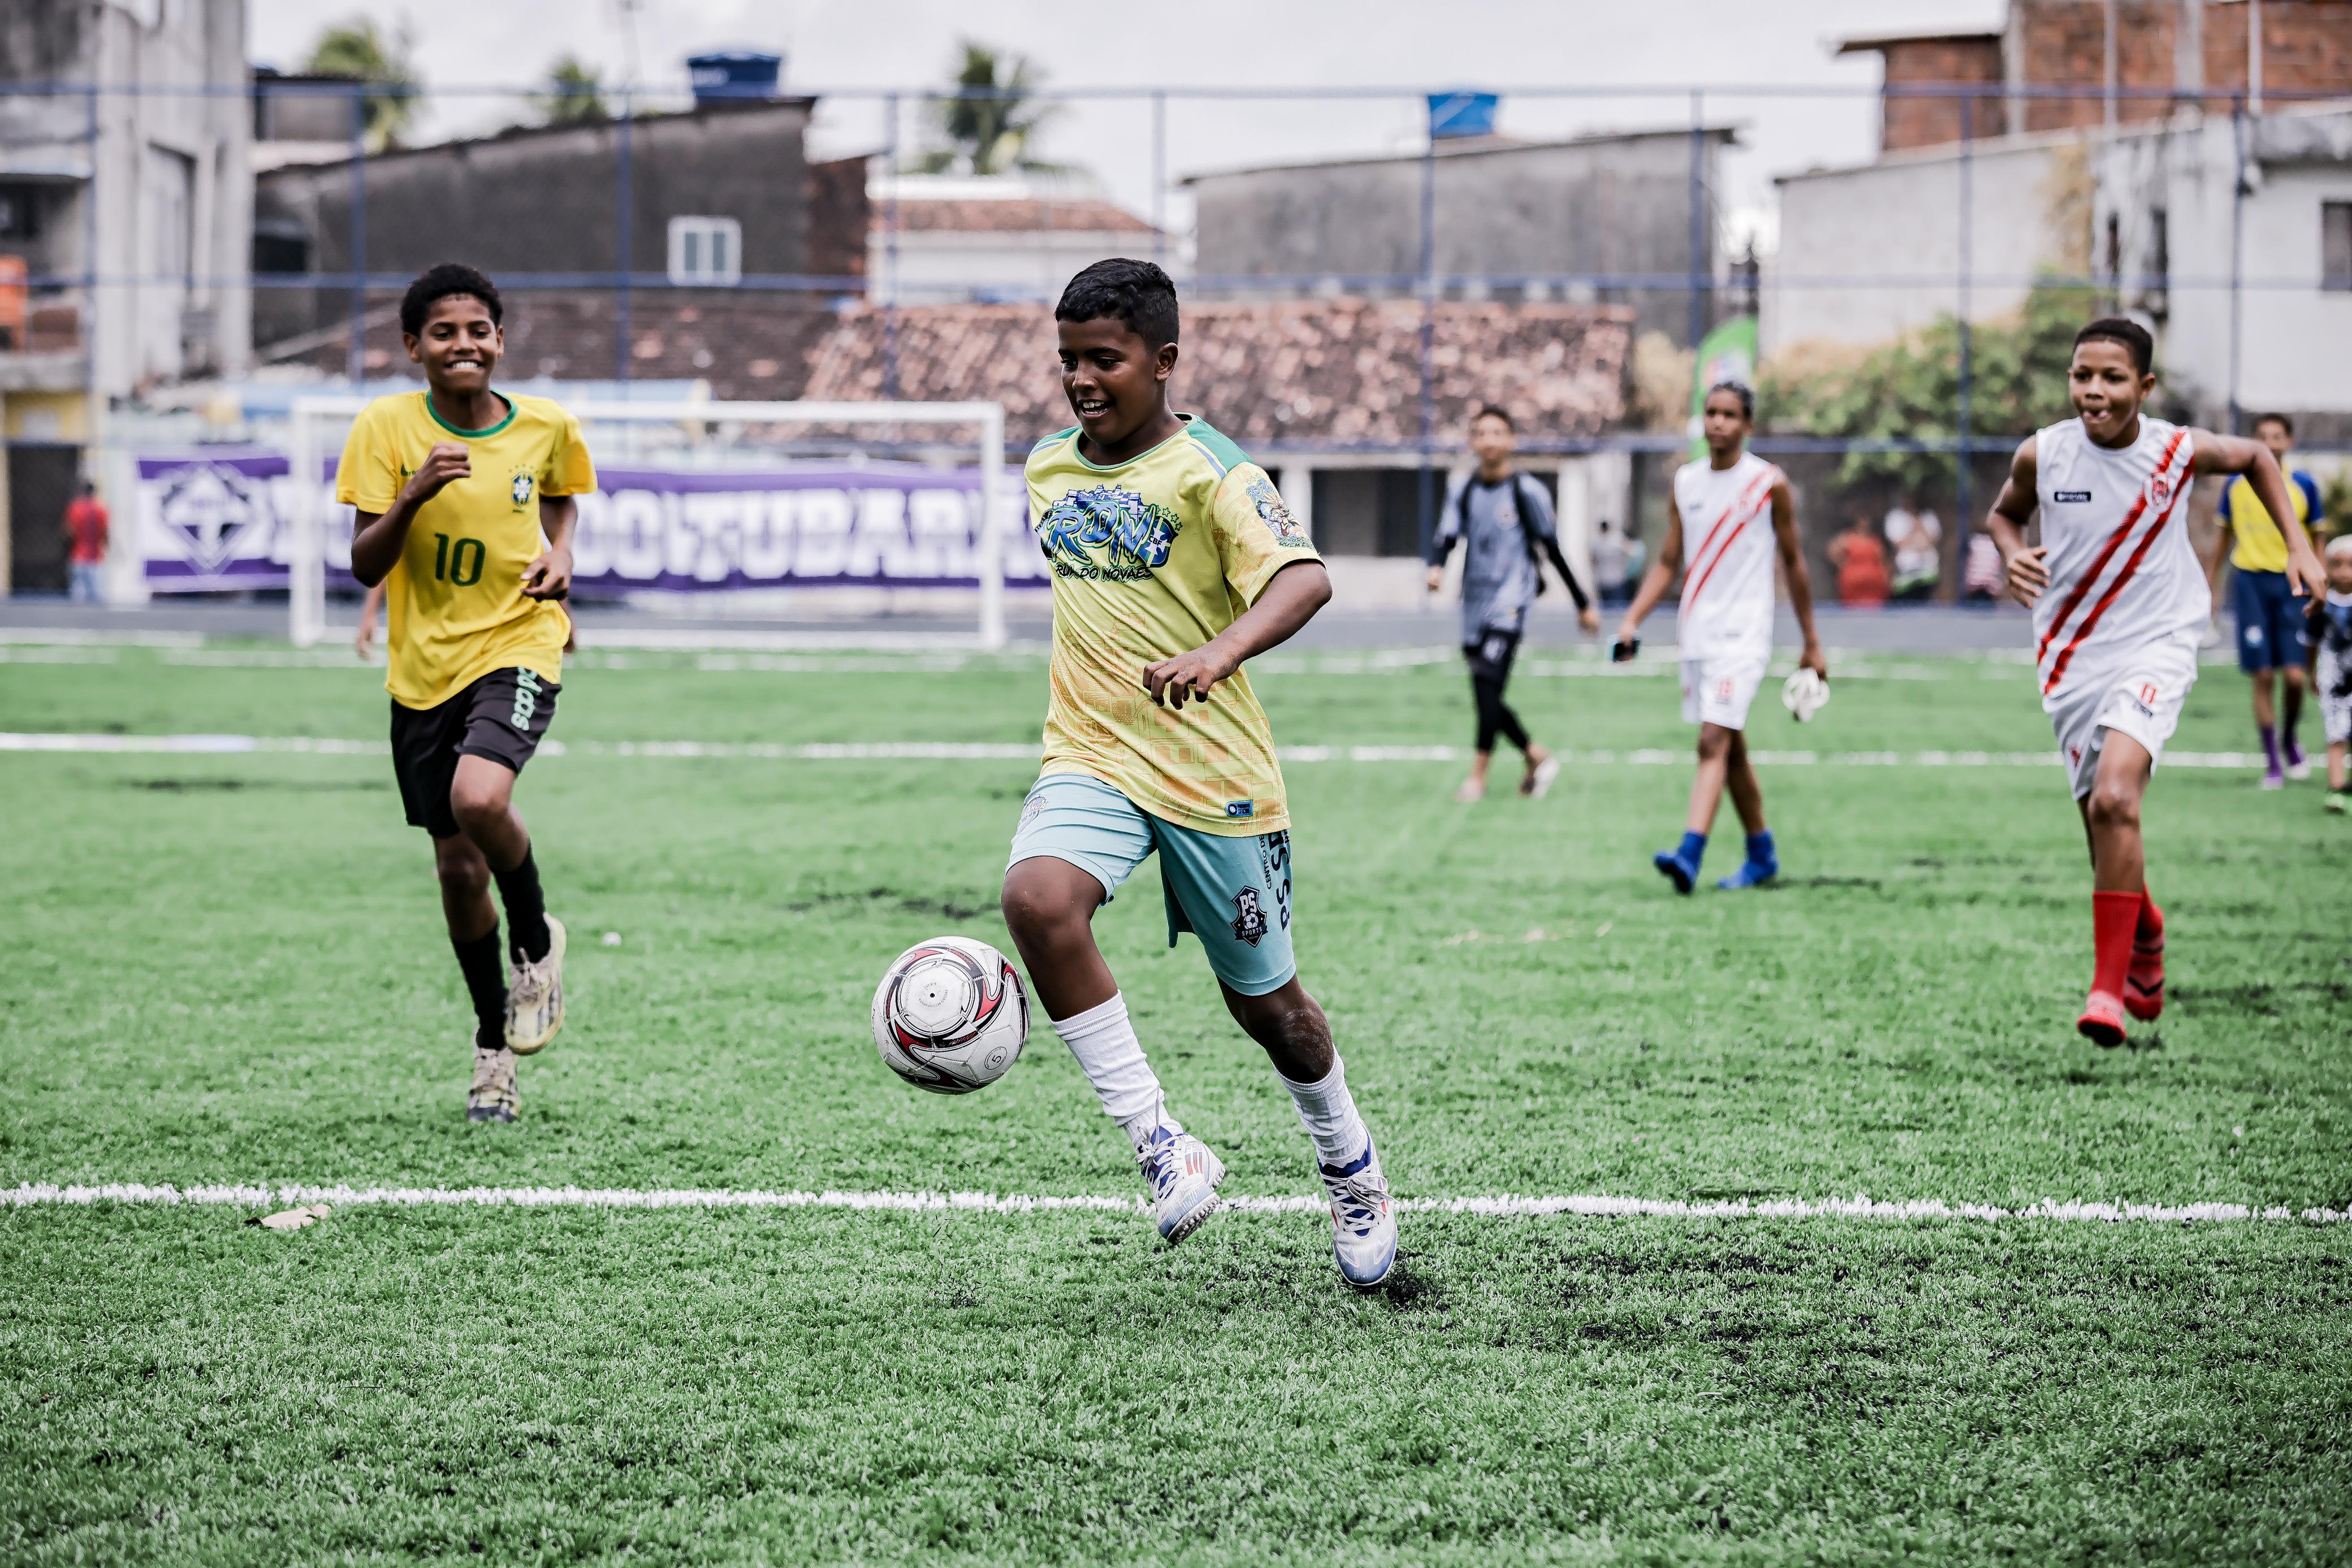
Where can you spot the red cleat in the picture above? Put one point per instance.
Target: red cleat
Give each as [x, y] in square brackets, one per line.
[2144, 985]
[2102, 1022]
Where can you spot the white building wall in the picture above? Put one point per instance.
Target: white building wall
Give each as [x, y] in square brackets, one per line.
[1846, 235]
[935, 265]
[2291, 337]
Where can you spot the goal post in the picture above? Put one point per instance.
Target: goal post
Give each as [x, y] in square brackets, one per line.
[314, 416]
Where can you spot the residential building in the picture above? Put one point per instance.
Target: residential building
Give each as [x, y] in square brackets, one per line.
[944, 237]
[2065, 65]
[736, 244]
[1602, 218]
[124, 223]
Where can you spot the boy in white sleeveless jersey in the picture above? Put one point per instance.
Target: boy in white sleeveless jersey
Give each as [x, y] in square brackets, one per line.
[2120, 602]
[1734, 513]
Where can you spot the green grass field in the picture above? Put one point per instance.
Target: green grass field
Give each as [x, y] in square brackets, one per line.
[231, 969]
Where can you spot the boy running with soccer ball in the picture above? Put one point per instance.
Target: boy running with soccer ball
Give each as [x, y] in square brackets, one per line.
[1741, 512]
[1174, 561]
[2120, 603]
[465, 513]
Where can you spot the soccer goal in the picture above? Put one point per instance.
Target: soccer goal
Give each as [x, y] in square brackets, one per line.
[715, 496]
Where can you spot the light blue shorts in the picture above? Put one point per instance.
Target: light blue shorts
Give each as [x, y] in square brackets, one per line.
[1234, 893]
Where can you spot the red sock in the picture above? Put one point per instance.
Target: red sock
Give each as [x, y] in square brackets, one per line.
[2114, 916]
[2152, 918]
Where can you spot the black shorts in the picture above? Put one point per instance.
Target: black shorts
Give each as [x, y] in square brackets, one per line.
[503, 716]
[1490, 657]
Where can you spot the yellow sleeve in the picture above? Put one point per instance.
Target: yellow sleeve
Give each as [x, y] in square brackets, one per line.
[368, 475]
[569, 471]
[1256, 535]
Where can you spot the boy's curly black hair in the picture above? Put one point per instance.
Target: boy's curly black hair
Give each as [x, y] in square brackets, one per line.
[1137, 292]
[440, 281]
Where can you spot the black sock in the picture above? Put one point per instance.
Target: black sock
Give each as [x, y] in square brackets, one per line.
[486, 982]
[526, 908]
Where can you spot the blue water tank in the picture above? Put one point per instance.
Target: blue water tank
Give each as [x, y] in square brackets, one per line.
[734, 74]
[1457, 114]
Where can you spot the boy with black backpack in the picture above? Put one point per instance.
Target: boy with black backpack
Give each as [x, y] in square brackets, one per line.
[1504, 520]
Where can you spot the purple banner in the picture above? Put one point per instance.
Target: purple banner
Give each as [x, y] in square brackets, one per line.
[221, 520]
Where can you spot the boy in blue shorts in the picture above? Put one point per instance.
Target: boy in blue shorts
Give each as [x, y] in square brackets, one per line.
[1174, 561]
[2269, 616]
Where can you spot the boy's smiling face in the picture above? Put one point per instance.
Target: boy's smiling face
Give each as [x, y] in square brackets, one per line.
[1116, 383]
[2106, 388]
[459, 346]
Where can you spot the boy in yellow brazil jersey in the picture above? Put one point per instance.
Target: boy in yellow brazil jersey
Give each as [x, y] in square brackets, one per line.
[464, 512]
[1173, 561]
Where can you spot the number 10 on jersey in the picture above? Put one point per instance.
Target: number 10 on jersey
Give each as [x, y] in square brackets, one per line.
[451, 563]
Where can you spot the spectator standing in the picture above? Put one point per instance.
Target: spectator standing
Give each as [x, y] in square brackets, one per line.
[1608, 565]
[1861, 563]
[1985, 575]
[1504, 519]
[86, 539]
[1918, 537]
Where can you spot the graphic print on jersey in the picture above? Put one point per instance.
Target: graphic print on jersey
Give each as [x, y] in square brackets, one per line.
[1134, 534]
[2092, 571]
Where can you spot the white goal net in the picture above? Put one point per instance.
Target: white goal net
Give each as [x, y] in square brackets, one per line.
[735, 500]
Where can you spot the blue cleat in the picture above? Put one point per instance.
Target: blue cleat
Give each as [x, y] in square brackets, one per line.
[1762, 864]
[1680, 865]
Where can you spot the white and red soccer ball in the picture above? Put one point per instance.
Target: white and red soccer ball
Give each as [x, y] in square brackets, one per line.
[951, 1015]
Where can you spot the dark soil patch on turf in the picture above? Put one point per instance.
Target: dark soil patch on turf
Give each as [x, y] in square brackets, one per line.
[234, 786]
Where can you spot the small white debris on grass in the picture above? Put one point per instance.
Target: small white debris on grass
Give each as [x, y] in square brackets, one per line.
[292, 1219]
[611, 938]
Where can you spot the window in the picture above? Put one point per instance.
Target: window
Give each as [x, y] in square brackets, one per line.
[706, 250]
[2336, 244]
[20, 211]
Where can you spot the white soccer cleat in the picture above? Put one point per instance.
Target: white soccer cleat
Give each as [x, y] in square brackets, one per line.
[1363, 1219]
[497, 1091]
[535, 996]
[1183, 1173]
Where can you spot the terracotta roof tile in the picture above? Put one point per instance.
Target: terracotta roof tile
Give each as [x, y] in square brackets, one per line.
[1008, 216]
[1306, 372]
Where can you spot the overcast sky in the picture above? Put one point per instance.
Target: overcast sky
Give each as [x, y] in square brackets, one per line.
[836, 45]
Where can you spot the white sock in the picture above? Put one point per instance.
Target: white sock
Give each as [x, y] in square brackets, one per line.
[1104, 1042]
[1329, 1112]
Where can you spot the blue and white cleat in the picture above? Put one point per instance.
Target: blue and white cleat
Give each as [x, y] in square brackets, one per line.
[1675, 869]
[1752, 874]
[1363, 1219]
[1183, 1173]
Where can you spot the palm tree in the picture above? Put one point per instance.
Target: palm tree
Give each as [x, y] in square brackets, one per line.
[991, 123]
[575, 95]
[357, 50]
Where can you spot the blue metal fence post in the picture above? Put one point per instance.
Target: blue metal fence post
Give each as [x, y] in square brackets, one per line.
[1428, 339]
[1698, 267]
[1963, 490]
[623, 237]
[355, 349]
[890, 262]
[86, 327]
[2237, 253]
[1159, 176]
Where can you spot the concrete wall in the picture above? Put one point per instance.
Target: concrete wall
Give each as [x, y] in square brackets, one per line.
[1617, 204]
[1846, 235]
[936, 265]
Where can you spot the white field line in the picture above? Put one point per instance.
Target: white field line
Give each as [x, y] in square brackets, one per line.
[1022, 751]
[1584, 1205]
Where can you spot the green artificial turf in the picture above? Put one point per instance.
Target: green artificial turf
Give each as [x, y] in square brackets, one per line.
[232, 968]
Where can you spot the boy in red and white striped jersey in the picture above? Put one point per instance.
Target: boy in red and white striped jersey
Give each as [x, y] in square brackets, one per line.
[1736, 514]
[2120, 602]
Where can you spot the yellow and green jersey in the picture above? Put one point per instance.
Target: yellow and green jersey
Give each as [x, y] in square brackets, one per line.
[1152, 559]
[2256, 543]
[455, 609]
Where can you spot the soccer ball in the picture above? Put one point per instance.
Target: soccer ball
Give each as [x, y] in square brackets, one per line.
[951, 1016]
